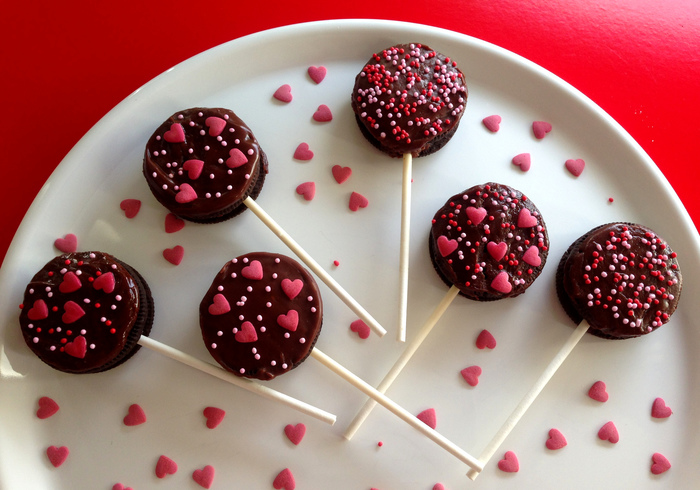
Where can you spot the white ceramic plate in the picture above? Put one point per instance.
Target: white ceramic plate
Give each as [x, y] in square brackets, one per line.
[249, 448]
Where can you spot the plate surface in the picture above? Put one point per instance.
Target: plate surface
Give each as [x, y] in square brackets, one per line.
[249, 448]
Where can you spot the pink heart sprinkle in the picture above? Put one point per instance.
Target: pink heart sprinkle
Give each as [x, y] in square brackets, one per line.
[598, 392]
[526, 219]
[283, 94]
[214, 416]
[253, 271]
[438, 486]
[659, 410]
[68, 244]
[292, 288]
[284, 480]
[165, 467]
[57, 455]
[485, 340]
[532, 256]
[173, 224]
[341, 174]
[39, 311]
[360, 328]
[290, 321]
[609, 433]
[77, 348]
[471, 375]
[323, 114]
[357, 201]
[475, 215]
[446, 246]
[317, 73]
[556, 440]
[216, 125]
[185, 194]
[135, 416]
[204, 477]
[541, 128]
[509, 463]
[193, 168]
[295, 433]
[307, 189]
[130, 207]
[71, 282]
[428, 417]
[497, 250]
[659, 463]
[47, 407]
[575, 166]
[105, 282]
[492, 123]
[174, 255]
[236, 158]
[176, 134]
[119, 486]
[72, 312]
[303, 153]
[246, 334]
[523, 161]
[501, 283]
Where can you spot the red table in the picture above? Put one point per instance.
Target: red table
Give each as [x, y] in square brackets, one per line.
[66, 65]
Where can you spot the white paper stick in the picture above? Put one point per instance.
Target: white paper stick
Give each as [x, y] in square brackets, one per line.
[401, 362]
[315, 267]
[404, 246]
[244, 383]
[397, 410]
[530, 397]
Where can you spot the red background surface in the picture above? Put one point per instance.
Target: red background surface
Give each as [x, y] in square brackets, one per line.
[65, 65]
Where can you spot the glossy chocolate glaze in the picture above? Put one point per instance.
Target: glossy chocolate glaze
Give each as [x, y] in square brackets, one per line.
[490, 241]
[408, 96]
[207, 152]
[622, 278]
[242, 315]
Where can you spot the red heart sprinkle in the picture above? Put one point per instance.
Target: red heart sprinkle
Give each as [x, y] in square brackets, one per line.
[71, 282]
[598, 392]
[214, 416]
[119, 486]
[220, 305]
[341, 174]
[284, 480]
[246, 334]
[501, 283]
[471, 375]
[357, 201]
[39, 311]
[105, 282]
[72, 312]
[165, 467]
[253, 271]
[541, 128]
[295, 433]
[323, 114]
[303, 153]
[204, 477]
[556, 440]
[185, 194]
[485, 340]
[609, 433]
[526, 219]
[523, 161]
[290, 321]
[575, 166]
[361, 328]
[47, 407]
[509, 463]
[446, 246]
[67, 244]
[193, 168]
[532, 256]
[428, 417]
[492, 123]
[130, 207]
[292, 288]
[283, 94]
[317, 73]
[475, 215]
[173, 224]
[57, 455]
[659, 410]
[236, 158]
[216, 125]
[77, 348]
[497, 250]
[174, 255]
[176, 134]
[659, 464]
[135, 416]
[307, 189]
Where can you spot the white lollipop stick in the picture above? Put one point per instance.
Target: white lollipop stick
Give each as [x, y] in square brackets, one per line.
[401, 362]
[397, 410]
[244, 383]
[530, 397]
[315, 267]
[405, 239]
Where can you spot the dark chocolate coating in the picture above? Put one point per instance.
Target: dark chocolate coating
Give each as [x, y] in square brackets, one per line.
[490, 241]
[201, 163]
[622, 278]
[261, 326]
[409, 99]
[77, 321]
